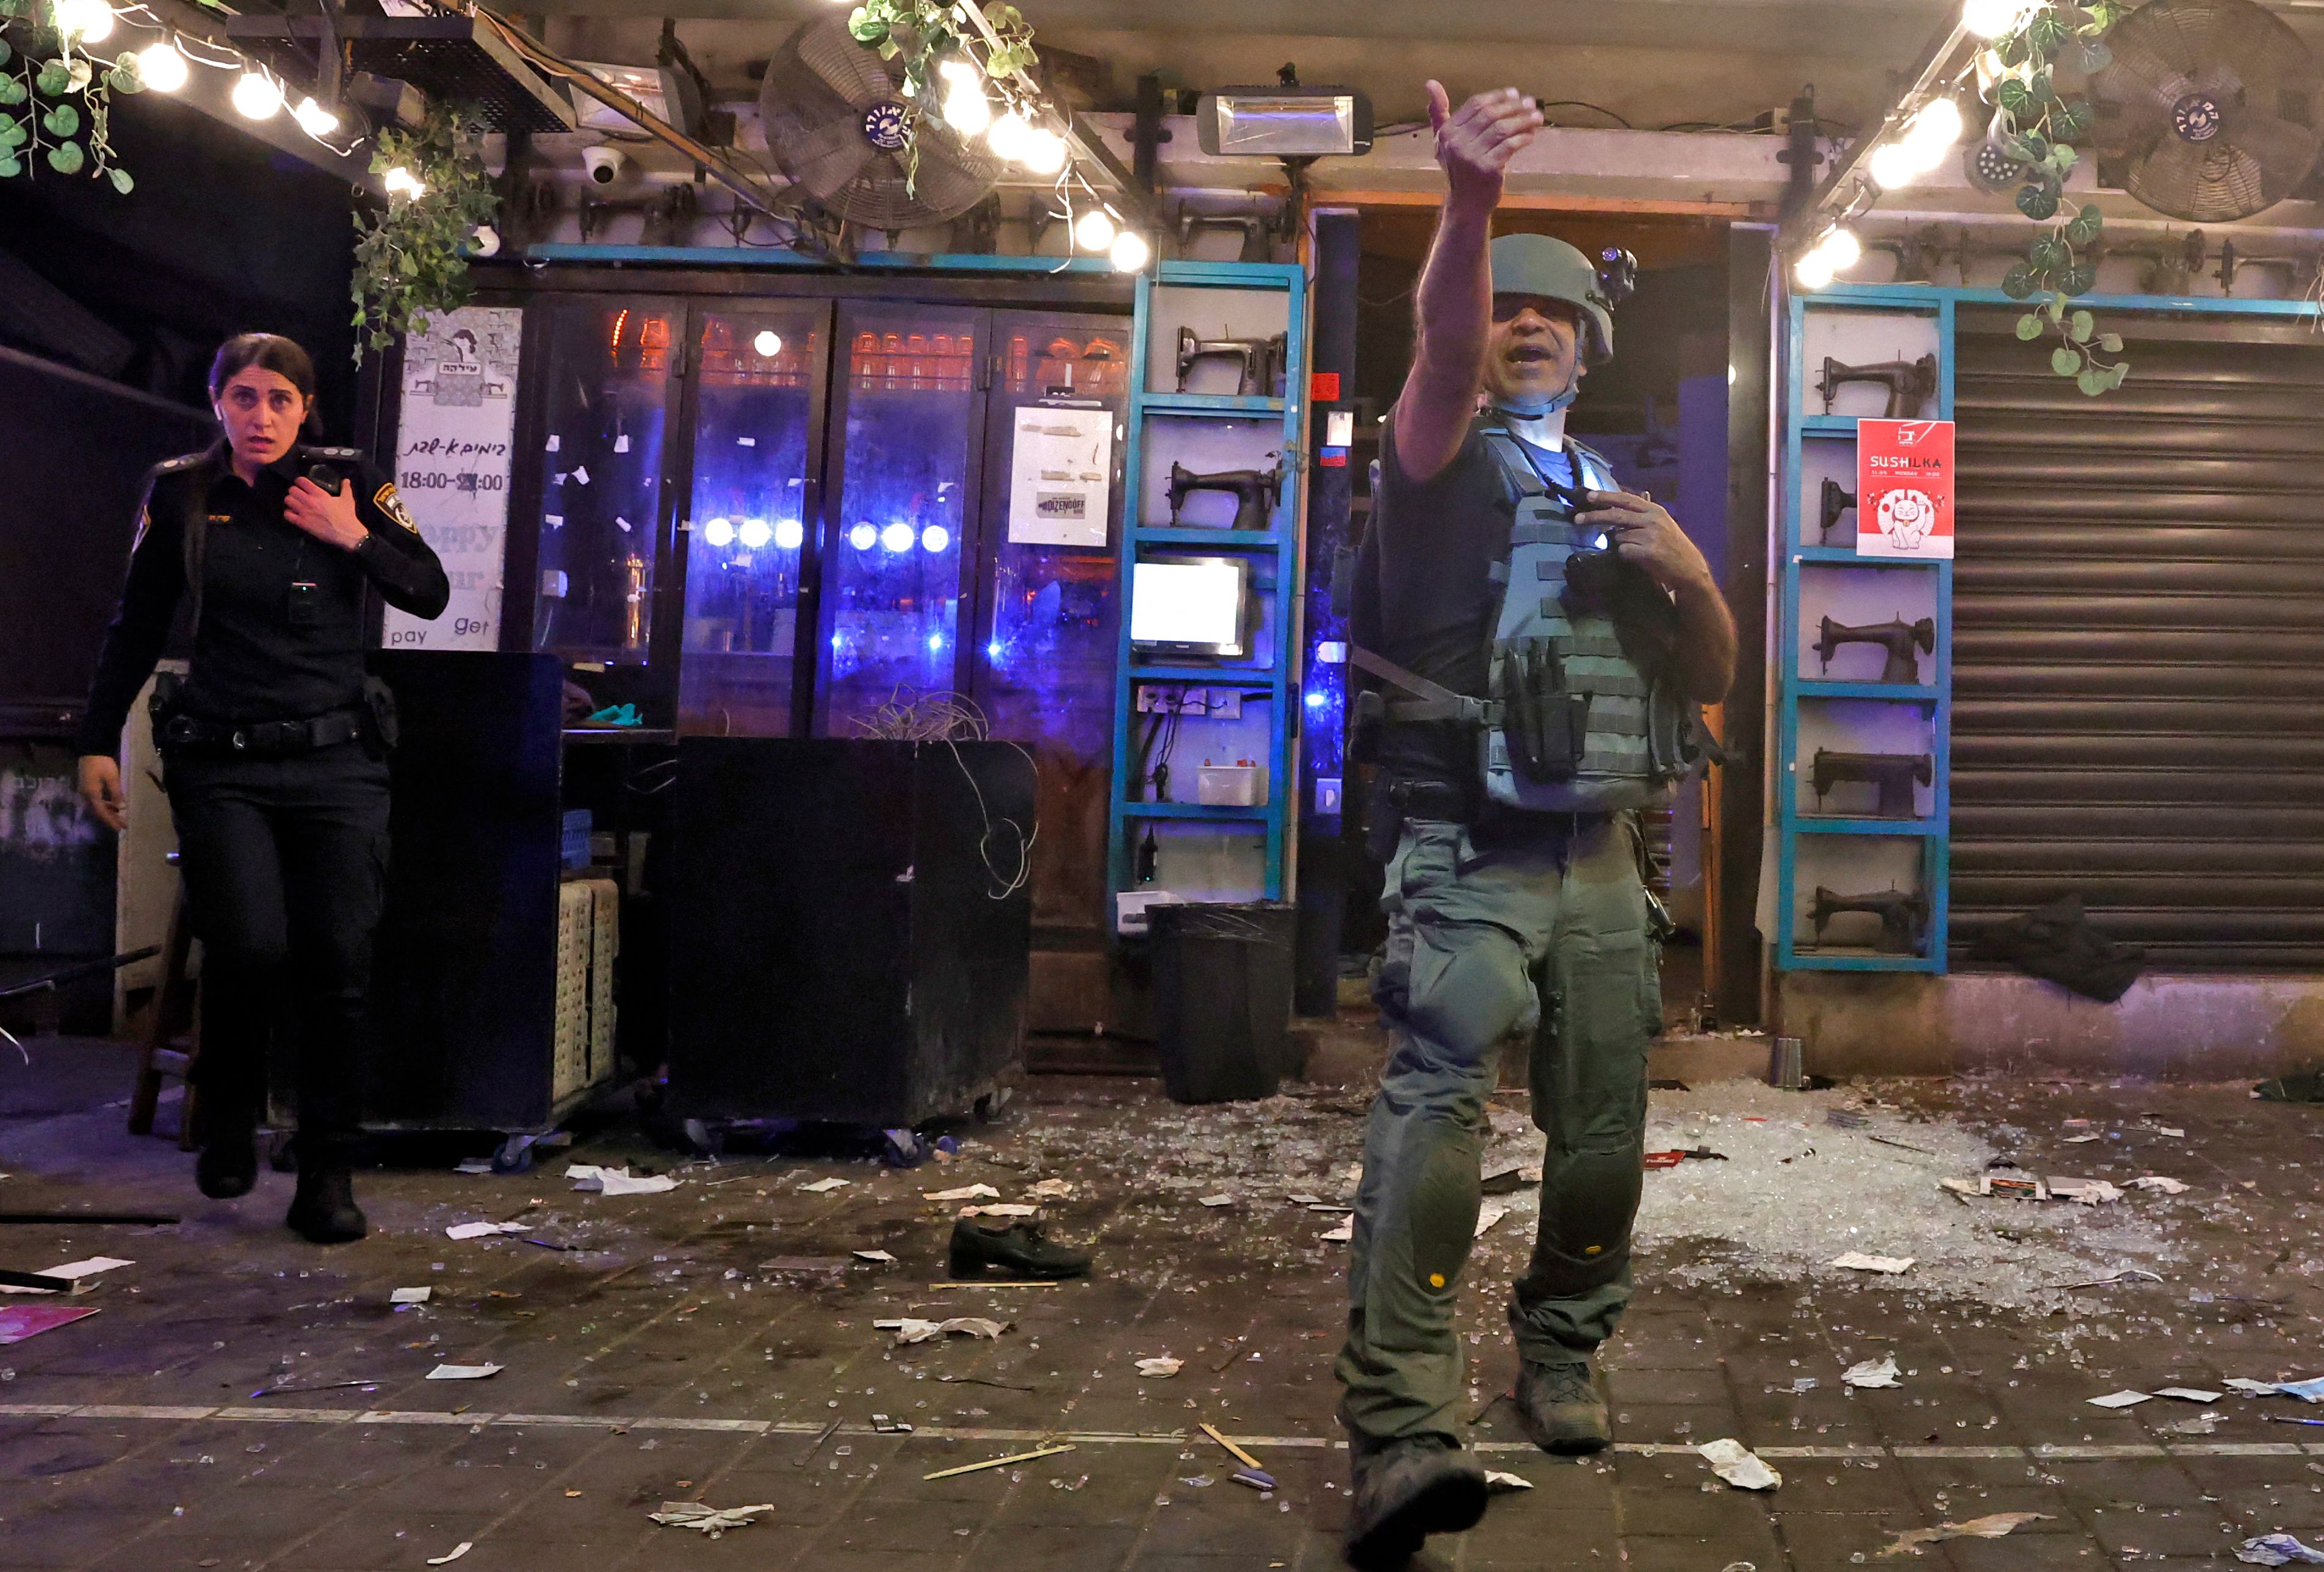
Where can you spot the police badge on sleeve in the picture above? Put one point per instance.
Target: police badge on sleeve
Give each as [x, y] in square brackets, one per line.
[390, 502]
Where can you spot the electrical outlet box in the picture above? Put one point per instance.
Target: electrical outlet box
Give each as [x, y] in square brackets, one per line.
[1226, 703]
[1327, 794]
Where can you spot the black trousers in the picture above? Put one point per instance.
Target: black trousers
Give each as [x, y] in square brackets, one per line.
[285, 865]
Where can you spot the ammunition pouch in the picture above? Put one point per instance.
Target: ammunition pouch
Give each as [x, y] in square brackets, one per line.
[1547, 727]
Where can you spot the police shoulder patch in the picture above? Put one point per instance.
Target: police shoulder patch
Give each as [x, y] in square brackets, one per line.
[389, 503]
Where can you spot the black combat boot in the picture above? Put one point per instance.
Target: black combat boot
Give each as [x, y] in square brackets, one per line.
[228, 1163]
[1559, 1407]
[1405, 1491]
[324, 1209]
[1019, 1248]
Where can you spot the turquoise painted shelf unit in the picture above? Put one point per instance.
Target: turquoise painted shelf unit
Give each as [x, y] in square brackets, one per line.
[1158, 421]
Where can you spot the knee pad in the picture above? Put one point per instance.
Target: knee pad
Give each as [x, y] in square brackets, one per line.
[1444, 1209]
[1587, 1202]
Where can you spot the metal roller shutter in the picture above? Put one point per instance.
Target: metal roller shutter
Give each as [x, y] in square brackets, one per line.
[2139, 624]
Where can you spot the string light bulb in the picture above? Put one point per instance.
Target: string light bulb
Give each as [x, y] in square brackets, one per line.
[161, 67]
[82, 20]
[1892, 165]
[1130, 253]
[1934, 131]
[767, 344]
[314, 119]
[1992, 18]
[1006, 135]
[1094, 229]
[257, 96]
[1841, 249]
[1043, 152]
[400, 181]
[965, 107]
[1812, 270]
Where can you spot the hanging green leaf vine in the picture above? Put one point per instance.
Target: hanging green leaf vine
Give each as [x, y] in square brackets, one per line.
[411, 259]
[2042, 127]
[925, 32]
[56, 100]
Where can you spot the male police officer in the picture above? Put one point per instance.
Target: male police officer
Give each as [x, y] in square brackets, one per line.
[1544, 639]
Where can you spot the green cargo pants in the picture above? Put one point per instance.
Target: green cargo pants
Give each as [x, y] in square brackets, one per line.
[1483, 941]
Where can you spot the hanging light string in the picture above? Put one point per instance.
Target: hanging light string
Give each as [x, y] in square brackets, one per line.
[161, 64]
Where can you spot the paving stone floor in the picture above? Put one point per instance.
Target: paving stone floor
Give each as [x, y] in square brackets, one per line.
[662, 1361]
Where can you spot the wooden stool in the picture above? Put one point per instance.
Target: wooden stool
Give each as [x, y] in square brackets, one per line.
[173, 1038]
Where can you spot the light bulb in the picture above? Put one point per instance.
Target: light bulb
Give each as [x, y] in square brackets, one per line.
[1842, 249]
[863, 537]
[1933, 130]
[755, 533]
[398, 181]
[1992, 18]
[1812, 270]
[485, 241]
[767, 344]
[257, 96]
[1043, 152]
[83, 20]
[1129, 253]
[1006, 135]
[966, 108]
[1094, 229]
[935, 538]
[790, 533]
[719, 532]
[897, 537]
[161, 67]
[314, 119]
[1892, 165]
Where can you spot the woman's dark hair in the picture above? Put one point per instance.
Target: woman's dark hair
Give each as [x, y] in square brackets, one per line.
[269, 351]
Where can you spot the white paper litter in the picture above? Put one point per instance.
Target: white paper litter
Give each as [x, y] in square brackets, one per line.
[2163, 1182]
[2278, 1550]
[409, 1296]
[2082, 1140]
[910, 1329]
[822, 1185]
[1491, 1212]
[2188, 1393]
[1217, 1200]
[966, 1192]
[2202, 1424]
[1857, 1261]
[1499, 1481]
[1737, 1464]
[1992, 1526]
[2119, 1399]
[1000, 1208]
[1051, 1190]
[464, 1371]
[2250, 1388]
[881, 1256]
[458, 1550]
[2088, 1193]
[617, 1181]
[1302, 1199]
[73, 1271]
[1872, 1373]
[1160, 1369]
[2167, 1130]
[713, 1521]
[1343, 1234]
[479, 1230]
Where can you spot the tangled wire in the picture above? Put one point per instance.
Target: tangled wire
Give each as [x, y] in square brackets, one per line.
[951, 718]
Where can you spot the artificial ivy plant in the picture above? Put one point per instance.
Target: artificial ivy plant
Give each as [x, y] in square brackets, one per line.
[411, 260]
[55, 100]
[925, 32]
[2043, 126]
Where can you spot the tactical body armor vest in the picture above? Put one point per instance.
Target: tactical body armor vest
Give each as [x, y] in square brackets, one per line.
[1569, 723]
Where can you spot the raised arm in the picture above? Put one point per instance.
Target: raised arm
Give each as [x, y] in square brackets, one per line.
[1455, 298]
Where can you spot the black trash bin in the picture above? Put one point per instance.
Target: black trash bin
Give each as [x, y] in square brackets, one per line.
[1222, 997]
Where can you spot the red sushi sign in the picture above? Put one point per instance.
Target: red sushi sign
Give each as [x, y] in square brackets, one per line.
[1905, 488]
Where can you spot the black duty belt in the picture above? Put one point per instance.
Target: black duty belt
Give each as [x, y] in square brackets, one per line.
[263, 739]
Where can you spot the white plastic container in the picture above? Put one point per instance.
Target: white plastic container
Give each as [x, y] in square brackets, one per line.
[1230, 786]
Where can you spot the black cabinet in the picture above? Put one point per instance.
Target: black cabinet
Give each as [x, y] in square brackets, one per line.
[850, 922]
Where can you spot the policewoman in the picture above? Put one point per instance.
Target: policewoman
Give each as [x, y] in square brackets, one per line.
[1540, 640]
[273, 749]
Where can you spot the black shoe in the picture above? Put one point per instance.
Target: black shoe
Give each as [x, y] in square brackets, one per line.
[1559, 1409]
[324, 1209]
[1019, 1248]
[228, 1164]
[1405, 1491]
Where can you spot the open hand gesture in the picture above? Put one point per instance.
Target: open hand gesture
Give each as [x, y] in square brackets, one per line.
[1476, 141]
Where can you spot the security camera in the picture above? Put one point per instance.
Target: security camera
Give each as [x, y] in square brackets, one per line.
[603, 163]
